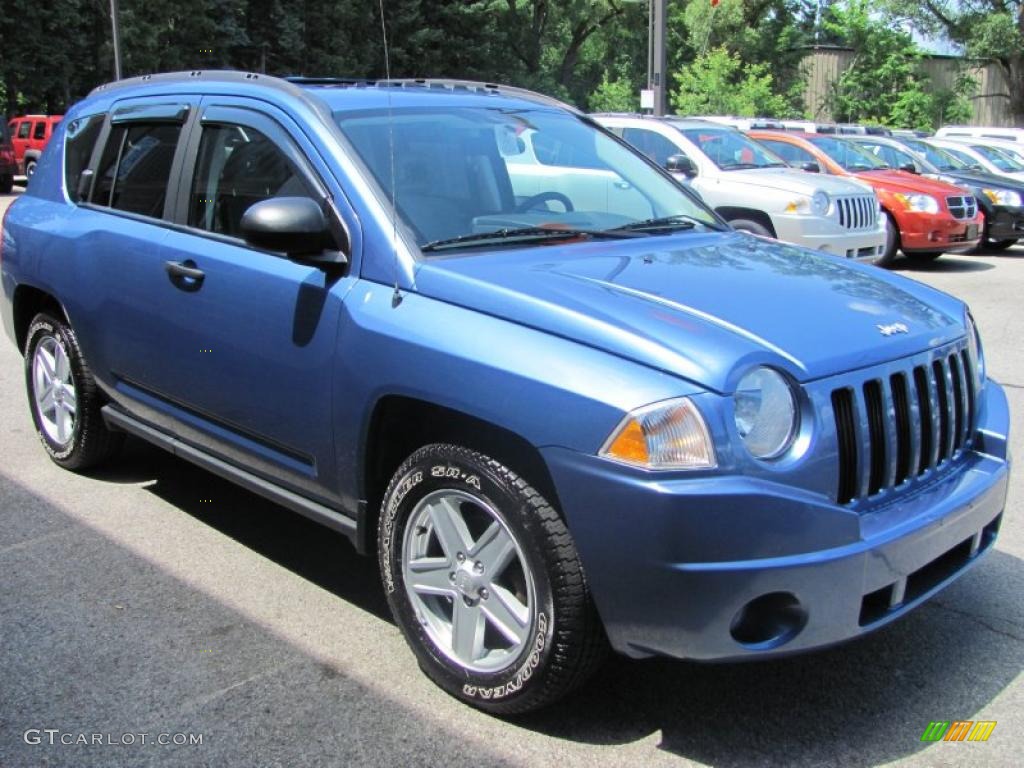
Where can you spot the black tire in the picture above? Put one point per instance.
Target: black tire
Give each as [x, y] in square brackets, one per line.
[564, 642]
[892, 243]
[30, 168]
[6, 184]
[751, 226]
[924, 257]
[89, 442]
[998, 245]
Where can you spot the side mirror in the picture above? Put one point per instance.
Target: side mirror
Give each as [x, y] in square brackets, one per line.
[295, 226]
[909, 168]
[810, 166]
[680, 164]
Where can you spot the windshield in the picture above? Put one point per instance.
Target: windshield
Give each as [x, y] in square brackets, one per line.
[730, 150]
[998, 158]
[937, 156]
[464, 172]
[849, 156]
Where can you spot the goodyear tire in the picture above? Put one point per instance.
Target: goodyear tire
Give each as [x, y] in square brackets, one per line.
[63, 397]
[484, 581]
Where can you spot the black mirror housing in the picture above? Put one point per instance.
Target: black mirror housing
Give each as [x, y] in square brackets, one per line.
[295, 226]
[909, 168]
[810, 166]
[680, 164]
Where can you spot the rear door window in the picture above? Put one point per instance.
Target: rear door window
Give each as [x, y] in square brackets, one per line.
[135, 168]
[39, 131]
[652, 144]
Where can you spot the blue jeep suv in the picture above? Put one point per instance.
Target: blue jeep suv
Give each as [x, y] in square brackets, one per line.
[563, 403]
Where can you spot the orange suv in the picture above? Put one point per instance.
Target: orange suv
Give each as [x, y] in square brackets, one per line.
[926, 217]
[29, 135]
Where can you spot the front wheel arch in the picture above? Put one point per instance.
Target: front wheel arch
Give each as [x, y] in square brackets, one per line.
[399, 425]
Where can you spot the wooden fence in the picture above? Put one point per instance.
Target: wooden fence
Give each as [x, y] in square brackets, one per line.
[990, 99]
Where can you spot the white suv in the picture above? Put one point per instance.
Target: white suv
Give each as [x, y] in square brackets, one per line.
[755, 191]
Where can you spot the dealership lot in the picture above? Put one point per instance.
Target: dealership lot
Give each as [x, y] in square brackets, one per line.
[155, 599]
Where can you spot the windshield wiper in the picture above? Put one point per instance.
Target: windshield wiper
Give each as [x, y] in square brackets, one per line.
[663, 223]
[520, 235]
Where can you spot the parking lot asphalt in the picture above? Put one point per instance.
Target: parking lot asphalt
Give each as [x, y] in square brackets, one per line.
[154, 598]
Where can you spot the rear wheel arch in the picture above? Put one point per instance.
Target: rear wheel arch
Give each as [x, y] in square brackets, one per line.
[400, 425]
[27, 303]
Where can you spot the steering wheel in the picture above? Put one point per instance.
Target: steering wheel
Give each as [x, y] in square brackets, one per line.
[542, 197]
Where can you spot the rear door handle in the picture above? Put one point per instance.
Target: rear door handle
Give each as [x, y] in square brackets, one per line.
[185, 274]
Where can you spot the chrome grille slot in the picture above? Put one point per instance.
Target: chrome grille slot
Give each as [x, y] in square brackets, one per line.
[842, 406]
[901, 409]
[856, 212]
[898, 425]
[876, 435]
[962, 207]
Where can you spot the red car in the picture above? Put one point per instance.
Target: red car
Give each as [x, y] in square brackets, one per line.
[29, 135]
[926, 217]
[8, 164]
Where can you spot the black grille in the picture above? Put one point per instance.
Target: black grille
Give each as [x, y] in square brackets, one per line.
[963, 207]
[894, 428]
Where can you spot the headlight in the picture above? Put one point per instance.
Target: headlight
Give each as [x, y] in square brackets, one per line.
[766, 414]
[974, 350]
[667, 435]
[819, 203]
[1002, 197]
[921, 203]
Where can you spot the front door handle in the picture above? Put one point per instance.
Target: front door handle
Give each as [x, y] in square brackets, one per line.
[185, 274]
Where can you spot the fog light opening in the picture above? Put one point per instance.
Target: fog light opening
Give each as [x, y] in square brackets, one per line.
[769, 621]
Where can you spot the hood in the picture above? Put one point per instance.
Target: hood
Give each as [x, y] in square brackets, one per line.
[705, 307]
[980, 179]
[792, 180]
[901, 181]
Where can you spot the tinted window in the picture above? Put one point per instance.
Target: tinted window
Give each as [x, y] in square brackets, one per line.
[730, 150]
[791, 153]
[1000, 160]
[476, 170]
[237, 166]
[652, 144]
[81, 138]
[39, 132]
[135, 168]
[23, 129]
[847, 154]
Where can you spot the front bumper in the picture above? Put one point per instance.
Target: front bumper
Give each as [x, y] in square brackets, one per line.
[723, 567]
[823, 234]
[1005, 223]
[925, 232]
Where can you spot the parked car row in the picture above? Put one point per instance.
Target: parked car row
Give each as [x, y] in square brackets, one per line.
[891, 201]
[564, 404]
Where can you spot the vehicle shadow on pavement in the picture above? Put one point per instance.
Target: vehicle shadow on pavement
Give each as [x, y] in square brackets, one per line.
[942, 264]
[306, 548]
[860, 704]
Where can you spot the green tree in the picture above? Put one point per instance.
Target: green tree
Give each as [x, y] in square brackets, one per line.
[773, 33]
[885, 82]
[617, 95]
[719, 83]
[991, 30]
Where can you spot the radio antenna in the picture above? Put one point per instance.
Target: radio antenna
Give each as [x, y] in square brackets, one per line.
[396, 297]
